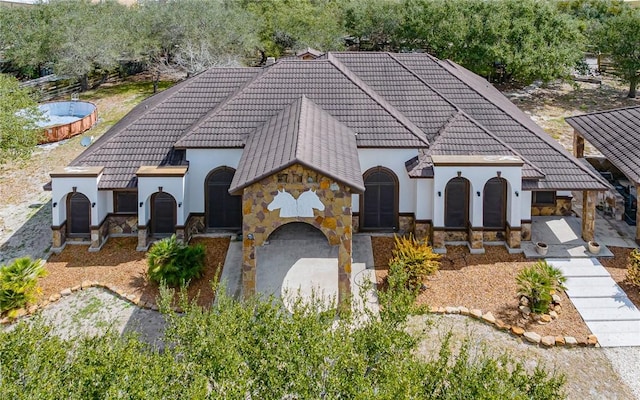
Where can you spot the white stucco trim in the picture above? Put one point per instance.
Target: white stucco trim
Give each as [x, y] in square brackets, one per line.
[87, 185]
[173, 185]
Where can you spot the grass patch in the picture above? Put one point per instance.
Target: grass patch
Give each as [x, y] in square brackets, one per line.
[93, 305]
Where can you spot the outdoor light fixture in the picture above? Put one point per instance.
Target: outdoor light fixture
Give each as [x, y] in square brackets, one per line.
[478, 194]
[498, 173]
[74, 188]
[141, 204]
[250, 236]
[517, 193]
[93, 204]
[439, 194]
[159, 188]
[54, 205]
[179, 204]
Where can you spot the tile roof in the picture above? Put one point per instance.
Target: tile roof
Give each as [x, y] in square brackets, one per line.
[408, 100]
[616, 134]
[301, 133]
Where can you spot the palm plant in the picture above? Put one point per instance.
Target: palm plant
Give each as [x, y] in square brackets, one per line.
[18, 283]
[537, 283]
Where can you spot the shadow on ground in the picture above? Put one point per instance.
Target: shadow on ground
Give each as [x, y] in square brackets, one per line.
[33, 238]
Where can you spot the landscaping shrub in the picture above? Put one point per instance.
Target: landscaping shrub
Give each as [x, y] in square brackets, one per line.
[18, 283]
[537, 282]
[416, 258]
[175, 263]
[633, 269]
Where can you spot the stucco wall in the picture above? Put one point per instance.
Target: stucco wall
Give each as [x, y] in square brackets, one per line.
[61, 186]
[172, 185]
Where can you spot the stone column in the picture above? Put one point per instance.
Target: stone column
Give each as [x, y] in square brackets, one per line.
[422, 230]
[588, 214]
[344, 272]
[59, 236]
[143, 238]
[578, 145]
[514, 237]
[476, 242]
[525, 226]
[438, 240]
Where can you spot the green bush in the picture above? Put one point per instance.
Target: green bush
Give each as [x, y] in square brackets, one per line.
[537, 282]
[18, 283]
[175, 263]
[633, 268]
[416, 258]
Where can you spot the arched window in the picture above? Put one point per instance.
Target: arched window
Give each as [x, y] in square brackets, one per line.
[494, 204]
[79, 214]
[222, 209]
[379, 204]
[163, 214]
[456, 206]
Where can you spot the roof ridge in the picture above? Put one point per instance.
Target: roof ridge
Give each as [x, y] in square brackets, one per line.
[546, 138]
[423, 81]
[107, 137]
[188, 131]
[603, 111]
[375, 96]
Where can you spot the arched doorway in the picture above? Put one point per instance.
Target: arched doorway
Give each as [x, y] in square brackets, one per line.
[79, 214]
[379, 203]
[494, 204]
[456, 203]
[163, 214]
[223, 211]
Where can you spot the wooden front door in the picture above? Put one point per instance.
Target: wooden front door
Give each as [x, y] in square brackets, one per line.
[379, 208]
[163, 215]
[223, 211]
[79, 209]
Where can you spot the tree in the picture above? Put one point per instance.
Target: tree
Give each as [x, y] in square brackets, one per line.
[18, 116]
[619, 37]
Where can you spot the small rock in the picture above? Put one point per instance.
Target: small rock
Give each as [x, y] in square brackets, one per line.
[452, 310]
[525, 310]
[5, 321]
[535, 317]
[570, 341]
[502, 326]
[582, 342]
[548, 341]
[65, 292]
[76, 288]
[32, 309]
[556, 298]
[131, 297]
[524, 301]
[516, 330]
[592, 340]
[86, 285]
[532, 337]
[44, 303]
[557, 308]
[552, 292]
[545, 319]
[438, 310]
[121, 293]
[20, 312]
[553, 314]
[476, 313]
[489, 318]
[463, 310]
[54, 297]
[560, 341]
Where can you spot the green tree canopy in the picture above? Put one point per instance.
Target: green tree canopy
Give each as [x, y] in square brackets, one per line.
[619, 37]
[18, 116]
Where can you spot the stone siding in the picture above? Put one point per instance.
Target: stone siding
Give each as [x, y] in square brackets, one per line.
[335, 221]
[423, 230]
[561, 208]
[195, 224]
[59, 235]
[122, 224]
[99, 235]
[493, 236]
[526, 230]
[406, 224]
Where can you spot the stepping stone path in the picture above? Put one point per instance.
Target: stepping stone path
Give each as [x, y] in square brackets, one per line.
[603, 305]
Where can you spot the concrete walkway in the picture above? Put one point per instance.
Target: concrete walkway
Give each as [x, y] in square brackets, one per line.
[603, 305]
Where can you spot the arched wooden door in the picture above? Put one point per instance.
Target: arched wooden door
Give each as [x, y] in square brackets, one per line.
[379, 205]
[163, 215]
[79, 214]
[223, 211]
[456, 203]
[494, 206]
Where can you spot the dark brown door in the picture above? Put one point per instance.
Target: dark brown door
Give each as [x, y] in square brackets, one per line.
[79, 210]
[163, 214]
[380, 200]
[223, 210]
[456, 195]
[494, 207]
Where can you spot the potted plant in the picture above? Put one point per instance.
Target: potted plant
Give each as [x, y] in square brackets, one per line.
[542, 248]
[593, 246]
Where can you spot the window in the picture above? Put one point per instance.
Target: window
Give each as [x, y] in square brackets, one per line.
[125, 202]
[494, 205]
[543, 198]
[456, 207]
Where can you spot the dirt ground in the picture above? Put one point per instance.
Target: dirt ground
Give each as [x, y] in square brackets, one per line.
[486, 282]
[120, 266]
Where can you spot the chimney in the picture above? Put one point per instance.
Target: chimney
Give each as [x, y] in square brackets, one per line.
[270, 61]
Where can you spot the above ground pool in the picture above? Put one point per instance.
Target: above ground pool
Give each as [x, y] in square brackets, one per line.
[65, 119]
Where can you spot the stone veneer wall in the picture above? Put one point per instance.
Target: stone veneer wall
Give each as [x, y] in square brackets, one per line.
[99, 235]
[122, 224]
[335, 221]
[423, 230]
[195, 224]
[59, 235]
[406, 223]
[561, 208]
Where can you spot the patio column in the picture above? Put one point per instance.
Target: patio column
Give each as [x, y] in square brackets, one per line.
[637, 214]
[578, 145]
[588, 214]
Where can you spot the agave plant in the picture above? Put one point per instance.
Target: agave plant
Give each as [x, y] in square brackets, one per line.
[18, 283]
[537, 282]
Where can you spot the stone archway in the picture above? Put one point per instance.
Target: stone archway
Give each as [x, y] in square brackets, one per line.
[333, 218]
